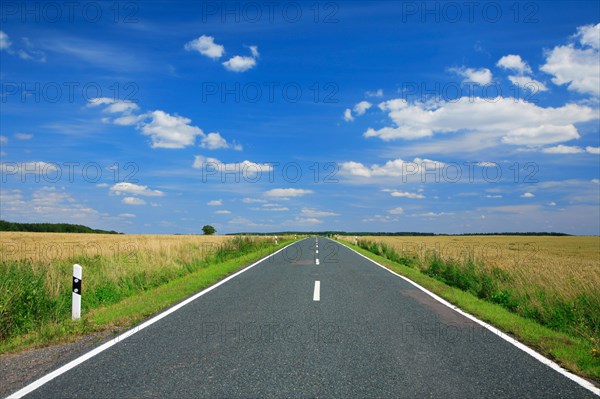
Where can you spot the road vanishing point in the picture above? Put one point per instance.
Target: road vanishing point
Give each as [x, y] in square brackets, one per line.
[315, 319]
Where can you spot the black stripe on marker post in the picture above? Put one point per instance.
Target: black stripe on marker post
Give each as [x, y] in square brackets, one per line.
[76, 285]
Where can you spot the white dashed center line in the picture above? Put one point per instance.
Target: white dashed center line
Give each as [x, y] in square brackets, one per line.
[317, 291]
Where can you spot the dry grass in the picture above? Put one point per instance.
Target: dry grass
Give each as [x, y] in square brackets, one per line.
[562, 266]
[104, 257]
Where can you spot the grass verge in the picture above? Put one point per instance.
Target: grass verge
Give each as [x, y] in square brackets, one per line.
[574, 353]
[134, 308]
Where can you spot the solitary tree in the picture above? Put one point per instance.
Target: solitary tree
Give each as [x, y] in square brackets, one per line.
[209, 230]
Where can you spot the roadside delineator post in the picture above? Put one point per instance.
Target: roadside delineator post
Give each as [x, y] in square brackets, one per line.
[76, 295]
[276, 240]
[355, 240]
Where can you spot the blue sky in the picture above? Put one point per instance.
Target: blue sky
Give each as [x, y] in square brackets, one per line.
[161, 117]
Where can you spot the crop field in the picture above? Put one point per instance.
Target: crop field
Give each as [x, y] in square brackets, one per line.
[554, 280]
[36, 269]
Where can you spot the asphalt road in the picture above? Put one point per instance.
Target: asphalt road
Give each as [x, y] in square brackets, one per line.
[270, 333]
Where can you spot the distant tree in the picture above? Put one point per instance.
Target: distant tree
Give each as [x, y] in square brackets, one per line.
[209, 230]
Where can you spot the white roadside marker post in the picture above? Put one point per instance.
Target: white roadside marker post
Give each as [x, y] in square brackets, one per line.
[76, 309]
[355, 240]
[275, 240]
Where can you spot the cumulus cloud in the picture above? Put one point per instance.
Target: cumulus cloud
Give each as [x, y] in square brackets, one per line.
[482, 76]
[286, 193]
[214, 141]
[170, 131]
[136, 189]
[206, 46]
[406, 194]
[575, 65]
[528, 83]
[240, 63]
[593, 150]
[514, 63]
[214, 203]
[362, 107]
[245, 168]
[392, 168]
[348, 115]
[517, 121]
[527, 195]
[223, 212]
[396, 211]
[562, 149]
[165, 130]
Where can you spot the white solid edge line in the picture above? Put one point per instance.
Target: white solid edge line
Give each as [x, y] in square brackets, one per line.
[579, 380]
[74, 363]
[317, 291]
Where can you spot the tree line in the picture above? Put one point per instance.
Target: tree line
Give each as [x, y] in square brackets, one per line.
[50, 228]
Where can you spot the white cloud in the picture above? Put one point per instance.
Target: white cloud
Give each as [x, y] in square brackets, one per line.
[47, 204]
[405, 194]
[285, 193]
[23, 136]
[394, 168]
[578, 68]
[214, 141]
[434, 215]
[514, 63]
[253, 200]
[165, 130]
[589, 35]
[380, 219]
[315, 213]
[528, 83]
[246, 168]
[223, 212]
[121, 107]
[493, 196]
[206, 46]
[240, 63]
[362, 107]
[518, 121]
[308, 221]
[131, 188]
[593, 150]
[3, 139]
[102, 185]
[348, 115]
[482, 76]
[127, 215]
[552, 203]
[4, 41]
[254, 51]
[544, 134]
[378, 93]
[214, 203]
[396, 211]
[562, 149]
[133, 201]
[170, 131]
[527, 195]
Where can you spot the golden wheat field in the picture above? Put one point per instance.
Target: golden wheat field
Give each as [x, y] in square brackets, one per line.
[564, 265]
[104, 257]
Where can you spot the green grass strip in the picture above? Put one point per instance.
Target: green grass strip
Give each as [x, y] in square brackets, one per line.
[132, 310]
